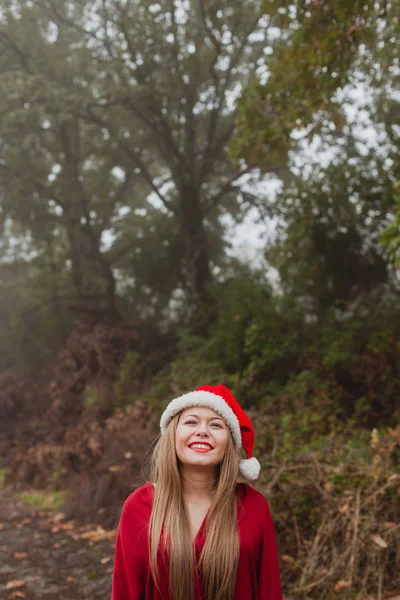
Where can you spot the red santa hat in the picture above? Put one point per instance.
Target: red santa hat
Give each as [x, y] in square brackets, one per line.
[222, 401]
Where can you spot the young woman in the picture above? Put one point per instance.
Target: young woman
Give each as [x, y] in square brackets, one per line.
[194, 533]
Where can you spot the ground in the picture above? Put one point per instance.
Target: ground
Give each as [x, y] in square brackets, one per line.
[43, 556]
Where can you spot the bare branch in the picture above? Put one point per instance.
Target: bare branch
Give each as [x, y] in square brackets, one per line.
[214, 200]
[118, 198]
[220, 93]
[54, 11]
[143, 78]
[133, 155]
[7, 41]
[159, 138]
[212, 153]
[216, 43]
[38, 186]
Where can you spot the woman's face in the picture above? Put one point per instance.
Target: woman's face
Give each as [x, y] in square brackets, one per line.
[201, 437]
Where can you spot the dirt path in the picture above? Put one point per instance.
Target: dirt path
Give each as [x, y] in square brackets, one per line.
[43, 556]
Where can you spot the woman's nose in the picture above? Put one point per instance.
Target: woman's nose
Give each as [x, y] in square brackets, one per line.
[202, 431]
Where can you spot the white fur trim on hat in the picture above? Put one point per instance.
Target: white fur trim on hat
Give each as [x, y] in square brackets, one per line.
[250, 468]
[209, 400]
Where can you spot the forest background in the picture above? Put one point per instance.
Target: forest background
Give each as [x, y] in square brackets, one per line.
[136, 140]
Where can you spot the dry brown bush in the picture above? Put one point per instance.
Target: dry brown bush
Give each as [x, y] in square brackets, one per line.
[21, 399]
[93, 353]
[338, 525]
[113, 463]
[98, 463]
[90, 448]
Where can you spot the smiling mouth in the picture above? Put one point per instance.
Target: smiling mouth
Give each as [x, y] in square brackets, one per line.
[200, 447]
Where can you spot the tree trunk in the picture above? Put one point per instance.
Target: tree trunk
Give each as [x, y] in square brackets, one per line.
[196, 259]
[76, 260]
[86, 255]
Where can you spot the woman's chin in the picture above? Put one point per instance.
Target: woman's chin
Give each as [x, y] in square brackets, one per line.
[199, 461]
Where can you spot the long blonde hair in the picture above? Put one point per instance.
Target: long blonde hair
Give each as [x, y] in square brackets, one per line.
[220, 555]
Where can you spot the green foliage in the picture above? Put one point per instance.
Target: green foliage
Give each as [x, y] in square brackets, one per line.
[390, 236]
[272, 343]
[328, 251]
[244, 294]
[131, 379]
[125, 134]
[117, 179]
[195, 366]
[320, 49]
[90, 396]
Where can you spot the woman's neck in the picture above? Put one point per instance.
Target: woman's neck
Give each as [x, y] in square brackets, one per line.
[198, 483]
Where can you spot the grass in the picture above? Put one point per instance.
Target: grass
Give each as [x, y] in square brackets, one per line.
[2, 475]
[43, 500]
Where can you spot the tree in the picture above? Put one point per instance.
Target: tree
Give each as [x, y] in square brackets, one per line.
[33, 284]
[330, 219]
[135, 88]
[321, 48]
[60, 172]
[328, 251]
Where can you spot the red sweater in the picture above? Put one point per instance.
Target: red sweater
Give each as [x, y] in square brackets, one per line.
[258, 571]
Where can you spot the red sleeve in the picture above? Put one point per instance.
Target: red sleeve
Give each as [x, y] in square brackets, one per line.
[131, 552]
[269, 583]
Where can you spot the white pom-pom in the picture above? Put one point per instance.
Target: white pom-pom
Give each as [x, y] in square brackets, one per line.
[250, 468]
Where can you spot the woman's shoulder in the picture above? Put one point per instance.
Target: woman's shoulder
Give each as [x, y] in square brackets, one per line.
[251, 497]
[140, 500]
[254, 508]
[135, 517]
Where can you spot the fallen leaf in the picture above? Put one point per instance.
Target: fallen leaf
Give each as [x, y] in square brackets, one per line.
[343, 509]
[378, 540]
[105, 560]
[70, 579]
[98, 535]
[67, 526]
[18, 595]
[128, 455]
[15, 583]
[342, 585]
[2, 526]
[58, 517]
[20, 555]
[116, 468]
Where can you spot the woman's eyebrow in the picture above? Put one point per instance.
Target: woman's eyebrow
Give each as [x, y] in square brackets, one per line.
[197, 417]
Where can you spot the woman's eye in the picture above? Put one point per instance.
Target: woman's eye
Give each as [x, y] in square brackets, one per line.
[193, 422]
